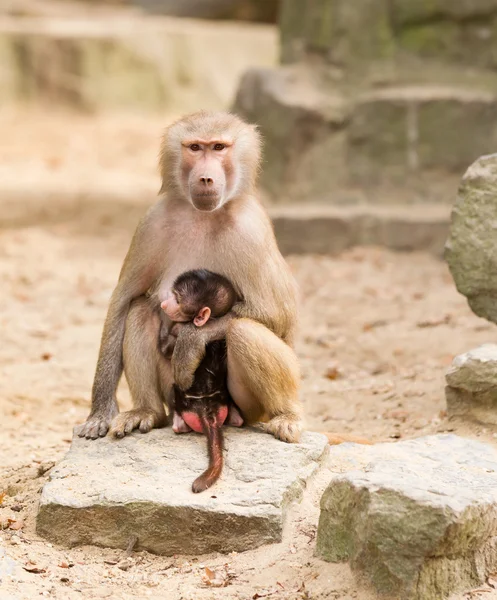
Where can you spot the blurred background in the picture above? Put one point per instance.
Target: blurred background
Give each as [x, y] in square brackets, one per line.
[371, 111]
[370, 102]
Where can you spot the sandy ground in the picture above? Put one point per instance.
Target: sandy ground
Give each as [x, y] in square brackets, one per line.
[378, 331]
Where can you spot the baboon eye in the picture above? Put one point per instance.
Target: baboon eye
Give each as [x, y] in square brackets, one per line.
[219, 147]
[194, 147]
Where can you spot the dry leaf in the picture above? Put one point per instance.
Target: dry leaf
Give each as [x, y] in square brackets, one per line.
[399, 415]
[333, 371]
[445, 320]
[334, 439]
[32, 568]
[374, 324]
[447, 359]
[264, 594]
[15, 525]
[216, 578]
[2, 496]
[125, 564]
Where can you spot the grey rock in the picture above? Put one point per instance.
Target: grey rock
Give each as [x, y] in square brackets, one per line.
[395, 30]
[471, 390]
[304, 229]
[471, 249]
[106, 492]
[301, 117]
[402, 144]
[417, 519]
[9, 568]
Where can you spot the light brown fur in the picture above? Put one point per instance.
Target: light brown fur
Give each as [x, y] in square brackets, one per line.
[236, 240]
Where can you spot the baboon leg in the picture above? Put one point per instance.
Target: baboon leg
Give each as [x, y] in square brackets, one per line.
[263, 378]
[146, 370]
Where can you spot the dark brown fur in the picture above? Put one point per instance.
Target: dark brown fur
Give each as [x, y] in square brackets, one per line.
[195, 290]
[211, 394]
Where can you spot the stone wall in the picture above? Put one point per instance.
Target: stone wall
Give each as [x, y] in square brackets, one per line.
[247, 10]
[376, 101]
[128, 61]
[263, 11]
[346, 33]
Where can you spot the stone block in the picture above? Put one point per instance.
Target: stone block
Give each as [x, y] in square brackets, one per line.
[353, 34]
[345, 33]
[399, 132]
[470, 250]
[378, 138]
[455, 126]
[106, 491]
[304, 229]
[408, 12]
[472, 385]
[416, 519]
[302, 122]
[403, 143]
[141, 62]
[250, 10]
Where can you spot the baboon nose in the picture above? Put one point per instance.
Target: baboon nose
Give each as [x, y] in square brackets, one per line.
[207, 180]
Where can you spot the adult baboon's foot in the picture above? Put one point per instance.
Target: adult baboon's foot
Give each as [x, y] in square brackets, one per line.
[143, 419]
[97, 425]
[285, 428]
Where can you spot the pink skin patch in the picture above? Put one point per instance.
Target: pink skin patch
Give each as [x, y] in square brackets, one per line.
[179, 426]
[193, 420]
[235, 419]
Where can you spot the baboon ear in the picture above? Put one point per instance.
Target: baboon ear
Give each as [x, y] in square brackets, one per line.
[202, 317]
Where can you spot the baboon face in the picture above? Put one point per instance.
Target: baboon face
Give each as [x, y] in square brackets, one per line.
[207, 173]
[209, 158]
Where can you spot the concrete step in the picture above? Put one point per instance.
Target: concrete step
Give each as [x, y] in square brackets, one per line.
[131, 61]
[300, 228]
[342, 144]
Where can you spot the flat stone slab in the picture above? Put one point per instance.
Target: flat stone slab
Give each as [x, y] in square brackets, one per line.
[471, 390]
[107, 491]
[417, 519]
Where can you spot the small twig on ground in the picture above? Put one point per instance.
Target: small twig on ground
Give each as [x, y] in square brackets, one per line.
[133, 540]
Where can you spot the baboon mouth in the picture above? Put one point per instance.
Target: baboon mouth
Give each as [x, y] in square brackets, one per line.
[212, 194]
[206, 202]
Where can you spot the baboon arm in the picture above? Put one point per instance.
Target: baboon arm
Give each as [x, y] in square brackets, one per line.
[141, 268]
[190, 347]
[191, 342]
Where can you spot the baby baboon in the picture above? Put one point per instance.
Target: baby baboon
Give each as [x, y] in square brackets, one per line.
[198, 296]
